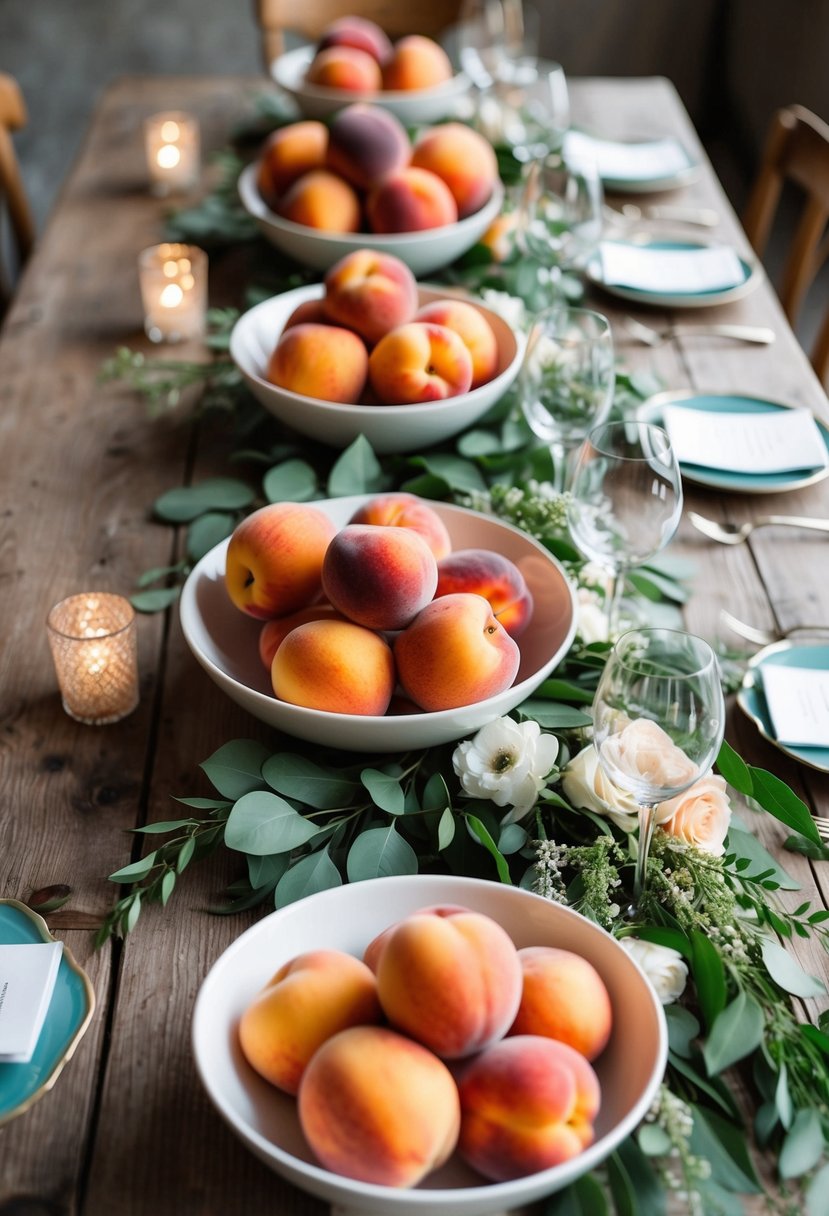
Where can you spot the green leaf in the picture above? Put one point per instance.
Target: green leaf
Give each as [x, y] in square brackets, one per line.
[313, 784]
[236, 767]
[185, 855]
[653, 1141]
[436, 796]
[168, 884]
[786, 971]
[783, 1099]
[712, 1089]
[683, 1028]
[736, 1032]
[564, 690]
[480, 830]
[803, 1146]
[263, 823]
[293, 481]
[765, 1121]
[133, 913]
[356, 471]
[553, 717]
[585, 1197]
[167, 825]
[266, 871]
[207, 531]
[155, 601]
[723, 1145]
[457, 473]
[746, 846]
[816, 1036]
[512, 839]
[136, 870]
[385, 791]
[663, 936]
[621, 1187]
[378, 853]
[309, 875]
[709, 977]
[648, 1189]
[184, 503]
[817, 1194]
[734, 769]
[775, 797]
[817, 851]
[446, 830]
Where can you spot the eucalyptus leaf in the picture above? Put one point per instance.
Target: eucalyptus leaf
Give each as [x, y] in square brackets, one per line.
[313, 784]
[765, 1121]
[565, 690]
[436, 796]
[356, 471]
[709, 977]
[723, 1145]
[164, 825]
[683, 1028]
[783, 1099]
[185, 503]
[293, 481]
[266, 871]
[512, 838]
[737, 1031]
[378, 853]
[168, 884]
[156, 600]
[803, 1145]
[135, 871]
[745, 845]
[553, 717]
[208, 531]
[386, 791]
[446, 830]
[263, 823]
[480, 830]
[584, 1197]
[817, 1193]
[205, 804]
[310, 874]
[236, 767]
[775, 797]
[185, 855]
[786, 971]
[459, 474]
[650, 1194]
[479, 443]
[734, 769]
[713, 1089]
[653, 1140]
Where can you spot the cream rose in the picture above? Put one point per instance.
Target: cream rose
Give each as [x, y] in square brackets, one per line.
[665, 968]
[643, 752]
[700, 816]
[592, 618]
[586, 785]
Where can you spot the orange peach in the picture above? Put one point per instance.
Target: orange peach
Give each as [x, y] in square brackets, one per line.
[417, 63]
[410, 200]
[527, 1103]
[470, 324]
[400, 510]
[500, 236]
[463, 158]
[372, 952]
[379, 577]
[358, 32]
[346, 68]
[311, 998]
[274, 559]
[288, 154]
[320, 199]
[496, 578]
[275, 631]
[379, 1107]
[564, 998]
[321, 361]
[308, 310]
[419, 362]
[335, 666]
[450, 979]
[455, 653]
[366, 144]
[371, 293]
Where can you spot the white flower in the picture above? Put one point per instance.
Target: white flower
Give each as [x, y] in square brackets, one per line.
[592, 618]
[594, 575]
[510, 308]
[507, 762]
[585, 785]
[664, 968]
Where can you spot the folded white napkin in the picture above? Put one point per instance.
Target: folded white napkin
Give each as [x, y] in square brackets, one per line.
[798, 704]
[786, 440]
[646, 161]
[27, 980]
[674, 271]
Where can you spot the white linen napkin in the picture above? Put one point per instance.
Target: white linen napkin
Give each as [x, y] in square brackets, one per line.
[784, 441]
[27, 980]
[646, 161]
[673, 271]
[798, 704]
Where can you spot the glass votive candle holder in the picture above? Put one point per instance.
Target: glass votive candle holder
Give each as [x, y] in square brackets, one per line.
[93, 641]
[171, 142]
[173, 281]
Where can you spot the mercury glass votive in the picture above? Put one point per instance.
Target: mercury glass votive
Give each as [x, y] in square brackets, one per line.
[94, 646]
[173, 281]
[172, 147]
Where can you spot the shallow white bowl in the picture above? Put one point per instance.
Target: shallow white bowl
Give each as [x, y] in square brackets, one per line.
[388, 428]
[423, 252]
[347, 918]
[412, 106]
[225, 642]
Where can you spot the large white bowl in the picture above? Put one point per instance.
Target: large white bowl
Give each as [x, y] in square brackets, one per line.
[412, 106]
[347, 918]
[225, 642]
[388, 428]
[423, 252]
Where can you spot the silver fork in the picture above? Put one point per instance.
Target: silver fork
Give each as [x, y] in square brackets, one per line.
[764, 637]
[760, 335]
[630, 213]
[735, 534]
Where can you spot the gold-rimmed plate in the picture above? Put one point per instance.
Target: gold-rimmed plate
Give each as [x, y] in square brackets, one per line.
[752, 701]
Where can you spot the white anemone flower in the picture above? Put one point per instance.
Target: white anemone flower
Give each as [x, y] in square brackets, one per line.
[506, 762]
[664, 967]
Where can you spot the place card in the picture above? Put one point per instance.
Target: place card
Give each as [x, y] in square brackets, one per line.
[615, 160]
[27, 980]
[677, 271]
[798, 704]
[778, 442]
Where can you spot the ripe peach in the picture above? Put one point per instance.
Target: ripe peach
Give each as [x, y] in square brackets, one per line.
[370, 293]
[564, 998]
[499, 237]
[410, 200]
[366, 144]
[274, 632]
[274, 559]
[450, 979]
[358, 32]
[463, 158]
[377, 576]
[323, 361]
[401, 510]
[346, 68]
[378, 1107]
[308, 310]
[496, 578]
[419, 362]
[287, 154]
[335, 666]
[320, 199]
[310, 998]
[372, 952]
[470, 324]
[527, 1103]
[455, 653]
[417, 63]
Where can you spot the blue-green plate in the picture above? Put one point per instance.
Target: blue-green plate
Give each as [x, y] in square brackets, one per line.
[68, 1016]
[638, 184]
[725, 479]
[752, 275]
[752, 701]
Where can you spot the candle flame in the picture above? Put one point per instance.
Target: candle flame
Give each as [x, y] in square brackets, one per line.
[170, 131]
[168, 156]
[171, 296]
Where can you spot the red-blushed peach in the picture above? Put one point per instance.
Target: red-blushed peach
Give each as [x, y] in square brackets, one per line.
[321, 361]
[376, 1106]
[419, 362]
[274, 632]
[470, 324]
[274, 559]
[528, 1103]
[499, 237]
[379, 577]
[335, 666]
[455, 652]
[398, 509]
[371, 293]
[320, 199]
[463, 158]
[450, 979]
[358, 32]
[416, 63]
[372, 952]
[288, 154]
[496, 578]
[309, 999]
[564, 998]
[410, 200]
[346, 68]
[308, 310]
[366, 144]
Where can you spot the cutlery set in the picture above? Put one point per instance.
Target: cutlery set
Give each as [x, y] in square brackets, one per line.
[759, 335]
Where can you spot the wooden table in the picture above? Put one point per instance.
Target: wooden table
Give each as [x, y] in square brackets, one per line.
[128, 1129]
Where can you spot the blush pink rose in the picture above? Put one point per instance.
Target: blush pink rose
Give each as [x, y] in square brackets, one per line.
[644, 753]
[699, 816]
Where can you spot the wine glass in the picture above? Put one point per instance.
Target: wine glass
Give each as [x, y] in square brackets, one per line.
[560, 212]
[625, 499]
[497, 41]
[567, 379]
[658, 720]
[538, 126]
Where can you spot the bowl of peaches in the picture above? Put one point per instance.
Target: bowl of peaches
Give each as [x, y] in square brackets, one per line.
[429, 1043]
[320, 191]
[377, 622]
[370, 352]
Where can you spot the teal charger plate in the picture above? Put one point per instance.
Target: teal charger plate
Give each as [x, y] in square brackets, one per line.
[647, 184]
[69, 1014]
[752, 701]
[752, 276]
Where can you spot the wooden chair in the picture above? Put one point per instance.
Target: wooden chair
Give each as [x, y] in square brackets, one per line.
[12, 194]
[796, 151]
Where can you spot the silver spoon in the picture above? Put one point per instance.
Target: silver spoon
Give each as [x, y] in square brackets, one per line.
[764, 637]
[735, 534]
[758, 334]
[630, 213]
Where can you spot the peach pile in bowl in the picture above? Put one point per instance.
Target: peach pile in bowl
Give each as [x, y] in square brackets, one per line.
[629, 1047]
[488, 672]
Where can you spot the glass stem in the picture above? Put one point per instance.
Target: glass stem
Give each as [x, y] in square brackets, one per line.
[559, 454]
[614, 600]
[647, 822]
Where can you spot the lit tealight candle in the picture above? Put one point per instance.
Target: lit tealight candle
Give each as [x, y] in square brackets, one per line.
[93, 641]
[172, 146]
[173, 282]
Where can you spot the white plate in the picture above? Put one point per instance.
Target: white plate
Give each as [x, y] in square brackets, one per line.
[648, 184]
[752, 276]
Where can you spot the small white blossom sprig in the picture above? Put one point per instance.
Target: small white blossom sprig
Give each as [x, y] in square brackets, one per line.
[506, 762]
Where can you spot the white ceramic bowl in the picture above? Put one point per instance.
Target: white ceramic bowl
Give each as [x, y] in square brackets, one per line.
[412, 106]
[423, 252]
[225, 642]
[388, 428]
[347, 918]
